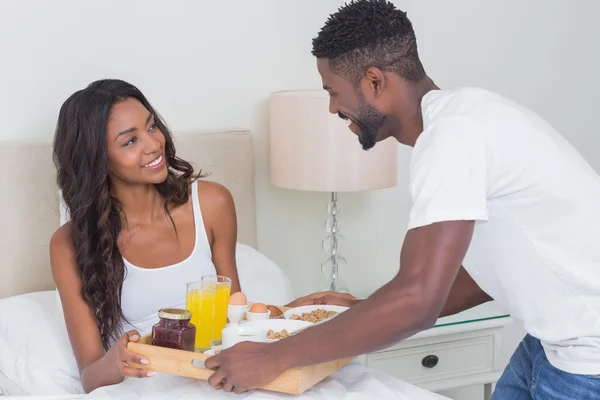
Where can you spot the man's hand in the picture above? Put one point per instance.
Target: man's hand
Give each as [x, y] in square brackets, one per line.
[325, 298]
[245, 366]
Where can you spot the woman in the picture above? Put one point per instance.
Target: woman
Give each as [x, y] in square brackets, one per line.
[142, 225]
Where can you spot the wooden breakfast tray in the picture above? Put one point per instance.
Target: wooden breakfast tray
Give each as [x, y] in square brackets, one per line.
[181, 362]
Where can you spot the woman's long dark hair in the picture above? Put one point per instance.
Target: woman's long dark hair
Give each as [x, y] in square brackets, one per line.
[81, 156]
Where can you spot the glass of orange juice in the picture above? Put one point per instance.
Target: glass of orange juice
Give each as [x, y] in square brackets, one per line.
[200, 301]
[223, 290]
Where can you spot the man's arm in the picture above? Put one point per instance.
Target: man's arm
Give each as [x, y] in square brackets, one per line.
[464, 294]
[430, 260]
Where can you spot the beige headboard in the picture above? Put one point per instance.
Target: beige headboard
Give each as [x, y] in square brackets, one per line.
[29, 209]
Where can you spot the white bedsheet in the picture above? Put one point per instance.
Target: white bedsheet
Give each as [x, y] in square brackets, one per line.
[354, 381]
[8, 387]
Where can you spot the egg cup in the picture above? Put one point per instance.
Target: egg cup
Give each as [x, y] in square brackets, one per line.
[235, 314]
[252, 316]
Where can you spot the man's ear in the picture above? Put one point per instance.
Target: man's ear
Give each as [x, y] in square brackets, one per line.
[375, 80]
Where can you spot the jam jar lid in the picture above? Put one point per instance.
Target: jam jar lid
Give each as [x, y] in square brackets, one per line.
[174, 313]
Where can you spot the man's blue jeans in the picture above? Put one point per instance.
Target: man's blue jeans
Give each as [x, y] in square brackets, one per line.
[529, 376]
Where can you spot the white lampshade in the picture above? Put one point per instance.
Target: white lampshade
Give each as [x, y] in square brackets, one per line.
[312, 149]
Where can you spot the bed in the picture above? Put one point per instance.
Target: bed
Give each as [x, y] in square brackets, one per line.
[36, 360]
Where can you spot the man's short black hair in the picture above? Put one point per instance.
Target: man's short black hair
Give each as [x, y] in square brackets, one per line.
[369, 33]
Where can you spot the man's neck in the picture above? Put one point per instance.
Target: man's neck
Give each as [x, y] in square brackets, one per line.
[410, 97]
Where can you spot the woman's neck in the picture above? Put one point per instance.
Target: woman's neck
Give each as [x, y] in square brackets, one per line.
[142, 204]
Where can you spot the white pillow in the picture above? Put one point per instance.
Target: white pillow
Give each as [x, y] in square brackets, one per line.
[261, 279]
[35, 352]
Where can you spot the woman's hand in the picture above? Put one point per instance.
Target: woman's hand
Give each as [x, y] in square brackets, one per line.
[97, 367]
[328, 298]
[124, 357]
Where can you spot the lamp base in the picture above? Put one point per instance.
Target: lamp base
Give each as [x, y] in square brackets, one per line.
[337, 285]
[330, 266]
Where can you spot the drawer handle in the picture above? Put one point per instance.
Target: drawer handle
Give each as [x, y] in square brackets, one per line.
[430, 361]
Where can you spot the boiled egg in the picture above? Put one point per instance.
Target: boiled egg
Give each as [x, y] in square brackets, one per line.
[238, 299]
[259, 308]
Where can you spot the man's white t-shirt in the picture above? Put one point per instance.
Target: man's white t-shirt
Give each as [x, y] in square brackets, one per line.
[536, 203]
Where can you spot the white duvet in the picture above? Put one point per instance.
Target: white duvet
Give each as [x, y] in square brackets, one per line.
[354, 381]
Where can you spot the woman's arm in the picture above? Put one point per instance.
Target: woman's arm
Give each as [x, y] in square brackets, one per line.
[96, 367]
[218, 212]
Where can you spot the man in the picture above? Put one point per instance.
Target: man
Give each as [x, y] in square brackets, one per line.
[495, 190]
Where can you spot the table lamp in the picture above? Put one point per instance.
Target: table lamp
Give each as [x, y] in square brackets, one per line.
[312, 149]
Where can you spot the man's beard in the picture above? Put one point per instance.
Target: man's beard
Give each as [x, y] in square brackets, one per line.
[369, 121]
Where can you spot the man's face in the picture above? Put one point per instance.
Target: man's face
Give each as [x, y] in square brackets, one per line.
[350, 104]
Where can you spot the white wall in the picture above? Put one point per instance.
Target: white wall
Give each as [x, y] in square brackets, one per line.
[212, 64]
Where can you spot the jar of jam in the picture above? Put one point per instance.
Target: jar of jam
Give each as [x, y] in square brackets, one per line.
[174, 330]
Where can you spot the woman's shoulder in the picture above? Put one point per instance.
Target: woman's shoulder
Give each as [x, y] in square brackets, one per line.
[61, 243]
[62, 235]
[214, 195]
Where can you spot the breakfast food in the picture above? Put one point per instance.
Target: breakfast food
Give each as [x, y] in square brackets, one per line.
[314, 316]
[275, 311]
[271, 334]
[174, 329]
[238, 299]
[259, 308]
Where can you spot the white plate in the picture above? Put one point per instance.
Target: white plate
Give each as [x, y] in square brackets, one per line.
[277, 325]
[306, 309]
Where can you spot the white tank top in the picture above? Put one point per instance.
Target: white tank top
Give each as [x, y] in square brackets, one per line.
[147, 290]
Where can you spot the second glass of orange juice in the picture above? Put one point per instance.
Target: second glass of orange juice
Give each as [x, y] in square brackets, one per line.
[200, 301]
[223, 290]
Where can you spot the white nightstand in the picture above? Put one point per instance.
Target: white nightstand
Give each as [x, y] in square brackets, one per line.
[460, 350]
